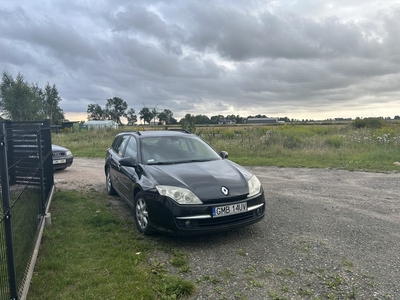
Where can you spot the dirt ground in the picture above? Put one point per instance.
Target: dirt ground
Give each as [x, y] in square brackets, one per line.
[327, 234]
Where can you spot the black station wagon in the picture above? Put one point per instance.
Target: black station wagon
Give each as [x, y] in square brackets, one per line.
[177, 184]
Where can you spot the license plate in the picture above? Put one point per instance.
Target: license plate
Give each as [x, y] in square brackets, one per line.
[59, 161]
[226, 210]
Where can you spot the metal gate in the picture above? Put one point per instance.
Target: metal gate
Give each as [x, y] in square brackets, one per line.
[26, 187]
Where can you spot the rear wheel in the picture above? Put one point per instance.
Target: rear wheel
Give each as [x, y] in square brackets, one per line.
[141, 214]
[109, 186]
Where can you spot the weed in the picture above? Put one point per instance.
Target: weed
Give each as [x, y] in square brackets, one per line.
[334, 281]
[287, 272]
[353, 294]
[238, 295]
[174, 288]
[227, 274]
[285, 289]
[185, 269]
[255, 283]
[207, 278]
[218, 289]
[158, 268]
[305, 292]
[179, 262]
[250, 269]
[331, 296]
[275, 296]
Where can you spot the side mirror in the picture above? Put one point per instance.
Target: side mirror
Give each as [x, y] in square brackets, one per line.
[128, 162]
[223, 154]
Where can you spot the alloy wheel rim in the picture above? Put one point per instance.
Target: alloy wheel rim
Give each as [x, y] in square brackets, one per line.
[142, 214]
[108, 182]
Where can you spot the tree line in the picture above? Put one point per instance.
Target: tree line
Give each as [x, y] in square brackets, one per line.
[23, 101]
[116, 108]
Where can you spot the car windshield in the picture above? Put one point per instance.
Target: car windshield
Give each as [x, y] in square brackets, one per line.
[171, 150]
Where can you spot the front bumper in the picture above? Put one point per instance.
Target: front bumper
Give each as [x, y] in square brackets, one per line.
[62, 166]
[169, 217]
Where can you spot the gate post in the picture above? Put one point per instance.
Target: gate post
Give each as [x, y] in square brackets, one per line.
[5, 190]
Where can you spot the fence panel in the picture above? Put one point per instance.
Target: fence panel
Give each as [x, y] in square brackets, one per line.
[27, 163]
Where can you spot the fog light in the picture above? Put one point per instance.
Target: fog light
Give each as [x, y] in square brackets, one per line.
[259, 211]
[188, 224]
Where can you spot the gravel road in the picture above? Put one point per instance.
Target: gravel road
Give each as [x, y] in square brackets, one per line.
[327, 234]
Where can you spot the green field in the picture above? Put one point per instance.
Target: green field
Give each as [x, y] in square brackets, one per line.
[374, 147]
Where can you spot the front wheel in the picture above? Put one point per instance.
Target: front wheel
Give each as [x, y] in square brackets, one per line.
[109, 186]
[141, 214]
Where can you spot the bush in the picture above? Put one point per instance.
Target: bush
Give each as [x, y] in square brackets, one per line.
[372, 123]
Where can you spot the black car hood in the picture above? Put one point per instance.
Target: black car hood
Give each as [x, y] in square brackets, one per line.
[205, 179]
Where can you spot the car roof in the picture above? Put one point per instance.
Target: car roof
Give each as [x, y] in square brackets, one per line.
[157, 133]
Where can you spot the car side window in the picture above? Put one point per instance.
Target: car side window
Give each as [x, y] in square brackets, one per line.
[121, 148]
[131, 149]
[119, 144]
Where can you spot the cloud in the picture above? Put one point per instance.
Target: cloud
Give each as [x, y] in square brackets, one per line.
[305, 58]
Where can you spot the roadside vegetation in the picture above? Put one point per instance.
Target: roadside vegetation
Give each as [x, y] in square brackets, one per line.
[89, 252]
[364, 144]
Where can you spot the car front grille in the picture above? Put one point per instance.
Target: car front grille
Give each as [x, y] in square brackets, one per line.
[219, 222]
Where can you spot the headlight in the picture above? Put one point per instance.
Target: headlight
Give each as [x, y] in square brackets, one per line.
[254, 186]
[180, 195]
[68, 153]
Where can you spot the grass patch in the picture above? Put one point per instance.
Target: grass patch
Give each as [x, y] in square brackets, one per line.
[366, 148]
[89, 253]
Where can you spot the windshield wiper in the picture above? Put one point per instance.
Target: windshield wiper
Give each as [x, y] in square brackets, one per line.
[161, 163]
[199, 160]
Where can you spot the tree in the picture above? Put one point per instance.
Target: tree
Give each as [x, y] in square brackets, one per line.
[215, 119]
[115, 109]
[19, 100]
[155, 113]
[165, 116]
[202, 119]
[188, 123]
[95, 112]
[51, 101]
[131, 117]
[146, 115]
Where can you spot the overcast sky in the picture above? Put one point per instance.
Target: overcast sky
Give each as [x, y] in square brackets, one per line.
[305, 59]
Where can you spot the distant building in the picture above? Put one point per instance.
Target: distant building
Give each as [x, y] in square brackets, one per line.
[262, 120]
[100, 124]
[226, 121]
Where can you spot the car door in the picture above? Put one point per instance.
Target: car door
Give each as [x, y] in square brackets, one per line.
[116, 153]
[127, 175]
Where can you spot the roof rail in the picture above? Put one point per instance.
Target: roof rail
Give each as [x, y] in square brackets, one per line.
[134, 131]
[181, 130]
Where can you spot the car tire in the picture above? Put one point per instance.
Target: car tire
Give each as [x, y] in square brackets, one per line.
[109, 186]
[141, 215]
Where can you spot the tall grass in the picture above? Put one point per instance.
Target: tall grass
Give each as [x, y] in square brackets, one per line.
[317, 146]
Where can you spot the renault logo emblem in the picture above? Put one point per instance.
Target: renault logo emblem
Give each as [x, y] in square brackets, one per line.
[224, 190]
